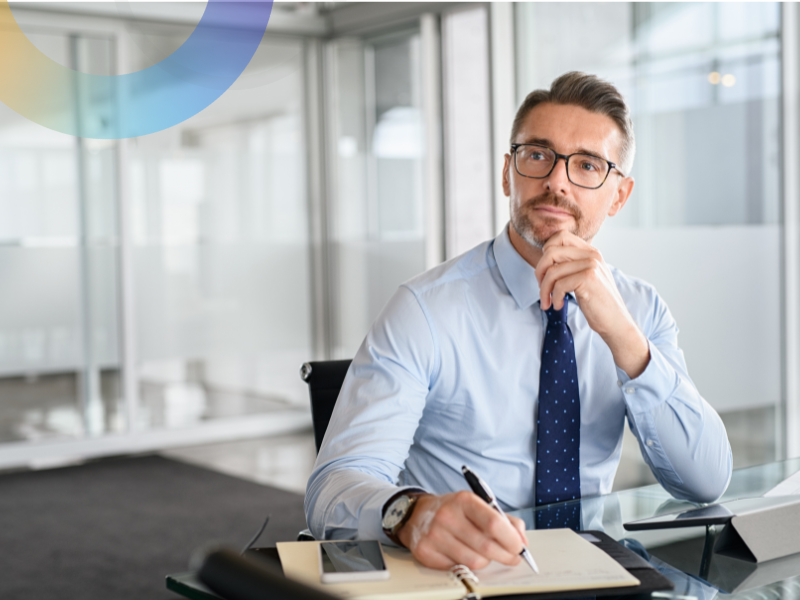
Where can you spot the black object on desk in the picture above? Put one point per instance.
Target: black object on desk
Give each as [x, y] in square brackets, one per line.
[651, 580]
[713, 514]
[756, 529]
[233, 577]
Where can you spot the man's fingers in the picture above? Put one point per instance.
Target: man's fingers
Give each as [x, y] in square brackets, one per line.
[519, 525]
[453, 536]
[495, 527]
[560, 254]
[484, 544]
[555, 274]
[428, 555]
[460, 528]
[429, 533]
[464, 554]
[564, 286]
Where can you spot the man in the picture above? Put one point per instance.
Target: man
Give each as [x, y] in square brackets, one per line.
[462, 367]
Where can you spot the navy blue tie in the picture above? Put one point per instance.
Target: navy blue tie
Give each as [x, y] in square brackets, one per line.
[558, 422]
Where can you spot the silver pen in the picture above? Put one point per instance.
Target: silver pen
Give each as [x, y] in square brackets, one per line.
[485, 493]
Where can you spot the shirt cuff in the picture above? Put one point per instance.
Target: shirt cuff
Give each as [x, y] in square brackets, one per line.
[370, 522]
[642, 396]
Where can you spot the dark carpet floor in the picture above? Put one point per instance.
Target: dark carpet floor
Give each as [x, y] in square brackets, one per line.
[113, 529]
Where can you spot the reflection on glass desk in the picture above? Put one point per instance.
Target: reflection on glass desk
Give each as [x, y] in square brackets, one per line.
[685, 555]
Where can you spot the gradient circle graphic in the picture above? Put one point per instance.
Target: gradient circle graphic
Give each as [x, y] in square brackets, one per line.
[134, 104]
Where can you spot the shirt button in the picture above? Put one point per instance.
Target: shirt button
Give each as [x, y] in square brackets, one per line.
[630, 390]
[649, 443]
[619, 383]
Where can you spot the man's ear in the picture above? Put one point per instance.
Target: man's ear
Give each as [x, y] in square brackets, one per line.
[506, 175]
[624, 190]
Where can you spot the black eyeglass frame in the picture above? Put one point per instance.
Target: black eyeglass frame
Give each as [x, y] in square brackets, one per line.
[566, 158]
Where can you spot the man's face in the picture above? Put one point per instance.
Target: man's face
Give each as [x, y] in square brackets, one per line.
[542, 207]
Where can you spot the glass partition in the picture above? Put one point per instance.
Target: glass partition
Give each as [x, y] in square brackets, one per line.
[59, 338]
[220, 234]
[218, 224]
[466, 89]
[376, 228]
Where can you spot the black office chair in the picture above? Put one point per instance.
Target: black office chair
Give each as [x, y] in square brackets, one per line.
[324, 379]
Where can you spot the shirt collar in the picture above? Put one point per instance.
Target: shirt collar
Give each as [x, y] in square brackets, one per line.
[518, 275]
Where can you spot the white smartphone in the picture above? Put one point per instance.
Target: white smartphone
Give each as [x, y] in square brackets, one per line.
[351, 561]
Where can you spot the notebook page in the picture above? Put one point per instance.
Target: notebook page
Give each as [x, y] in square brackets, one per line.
[566, 562]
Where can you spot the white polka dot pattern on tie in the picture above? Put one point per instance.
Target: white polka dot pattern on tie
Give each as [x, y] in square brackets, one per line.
[559, 516]
[553, 439]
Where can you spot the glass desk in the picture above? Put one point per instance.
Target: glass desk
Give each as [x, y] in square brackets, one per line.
[682, 555]
[685, 555]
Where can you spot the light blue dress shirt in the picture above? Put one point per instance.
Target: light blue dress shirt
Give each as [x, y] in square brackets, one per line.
[449, 375]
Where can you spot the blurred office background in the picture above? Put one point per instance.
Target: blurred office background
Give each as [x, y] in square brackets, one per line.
[161, 293]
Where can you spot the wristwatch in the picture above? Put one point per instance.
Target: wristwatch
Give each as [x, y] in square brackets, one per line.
[397, 512]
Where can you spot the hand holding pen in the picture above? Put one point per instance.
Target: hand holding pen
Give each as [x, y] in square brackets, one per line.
[460, 528]
[485, 493]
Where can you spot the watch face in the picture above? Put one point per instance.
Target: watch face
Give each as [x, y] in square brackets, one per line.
[396, 511]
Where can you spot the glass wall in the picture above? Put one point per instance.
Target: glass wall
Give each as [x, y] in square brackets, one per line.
[59, 337]
[703, 224]
[216, 215]
[376, 211]
[466, 87]
[219, 227]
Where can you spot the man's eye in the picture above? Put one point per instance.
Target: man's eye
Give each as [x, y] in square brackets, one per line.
[589, 166]
[536, 155]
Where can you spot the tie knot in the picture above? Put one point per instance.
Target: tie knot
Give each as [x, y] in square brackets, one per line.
[554, 315]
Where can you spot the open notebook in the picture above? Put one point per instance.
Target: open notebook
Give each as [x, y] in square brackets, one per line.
[566, 562]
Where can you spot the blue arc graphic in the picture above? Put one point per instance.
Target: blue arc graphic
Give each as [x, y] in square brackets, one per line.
[133, 104]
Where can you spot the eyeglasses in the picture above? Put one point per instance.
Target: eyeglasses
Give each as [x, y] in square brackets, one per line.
[537, 162]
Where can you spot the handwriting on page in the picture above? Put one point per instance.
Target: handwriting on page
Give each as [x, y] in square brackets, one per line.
[497, 575]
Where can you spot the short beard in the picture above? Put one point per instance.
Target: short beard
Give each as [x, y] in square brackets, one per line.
[522, 224]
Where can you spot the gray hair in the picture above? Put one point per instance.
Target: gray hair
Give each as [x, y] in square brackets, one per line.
[593, 94]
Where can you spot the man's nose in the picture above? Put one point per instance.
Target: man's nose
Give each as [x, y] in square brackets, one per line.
[558, 181]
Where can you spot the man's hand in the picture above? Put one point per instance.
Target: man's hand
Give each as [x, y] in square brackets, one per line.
[460, 528]
[569, 264]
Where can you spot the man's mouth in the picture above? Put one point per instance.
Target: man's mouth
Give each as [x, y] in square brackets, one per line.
[553, 210]
[554, 206]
